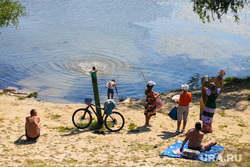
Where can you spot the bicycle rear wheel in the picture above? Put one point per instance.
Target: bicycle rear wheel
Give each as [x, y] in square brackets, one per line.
[82, 118]
[114, 122]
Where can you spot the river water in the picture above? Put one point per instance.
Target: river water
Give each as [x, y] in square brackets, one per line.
[55, 47]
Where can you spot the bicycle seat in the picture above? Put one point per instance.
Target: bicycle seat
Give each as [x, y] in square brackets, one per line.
[88, 101]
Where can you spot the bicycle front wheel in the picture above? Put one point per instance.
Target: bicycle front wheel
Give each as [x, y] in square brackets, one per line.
[114, 122]
[82, 118]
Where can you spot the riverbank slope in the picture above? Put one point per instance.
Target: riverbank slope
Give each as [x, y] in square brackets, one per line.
[61, 144]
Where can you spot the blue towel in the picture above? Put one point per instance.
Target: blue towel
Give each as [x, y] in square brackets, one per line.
[206, 156]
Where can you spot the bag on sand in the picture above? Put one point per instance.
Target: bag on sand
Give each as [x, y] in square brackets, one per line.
[173, 113]
[190, 154]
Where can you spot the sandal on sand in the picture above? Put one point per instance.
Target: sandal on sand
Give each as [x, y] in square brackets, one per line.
[177, 131]
[183, 130]
[149, 125]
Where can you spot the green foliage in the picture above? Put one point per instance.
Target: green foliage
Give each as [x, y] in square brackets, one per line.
[64, 129]
[56, 116]
[207, 8]
[235, 80]
[5, 91]
[242, 124]
[32, 95]
[222, 114]
[132, 126]
[94, 125]
[10, 12]
[21, 98]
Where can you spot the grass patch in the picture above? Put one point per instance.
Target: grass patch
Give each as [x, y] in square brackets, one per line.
[34, 161]
[242, 124]
[5, 91]
[132, 126]
[32, 95]
[64, 129]
[70, 160]
[235, 80]
[45, 135]
[222, 126]
[222, 114]
[21, 98]
[94, 125]
[17, 118]
[55, 116]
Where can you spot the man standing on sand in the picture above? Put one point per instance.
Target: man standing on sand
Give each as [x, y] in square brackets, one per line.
[111, 85]
[32, 126]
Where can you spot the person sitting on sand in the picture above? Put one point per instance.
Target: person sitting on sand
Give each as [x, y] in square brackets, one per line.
[183, 108]
[32, 126]
[195, 136]
[110, 85]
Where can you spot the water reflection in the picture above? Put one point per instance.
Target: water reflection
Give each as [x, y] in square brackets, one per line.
[53, 49]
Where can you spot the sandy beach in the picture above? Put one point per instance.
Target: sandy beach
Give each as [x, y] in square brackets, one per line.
[61, 144]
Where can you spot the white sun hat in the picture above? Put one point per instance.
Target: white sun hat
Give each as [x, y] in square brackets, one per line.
[151, 83]
[185, 87]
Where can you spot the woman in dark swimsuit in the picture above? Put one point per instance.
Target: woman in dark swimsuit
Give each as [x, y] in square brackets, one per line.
[195, 137]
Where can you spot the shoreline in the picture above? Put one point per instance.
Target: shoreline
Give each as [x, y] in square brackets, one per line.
[61, 144]
[14, 91]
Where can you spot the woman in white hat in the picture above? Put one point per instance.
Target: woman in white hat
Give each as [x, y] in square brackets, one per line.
[150, 104]
[183, 108]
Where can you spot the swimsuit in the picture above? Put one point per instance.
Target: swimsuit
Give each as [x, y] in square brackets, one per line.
[110, 90]
[195, 148]
[32, 138]
[195, 140]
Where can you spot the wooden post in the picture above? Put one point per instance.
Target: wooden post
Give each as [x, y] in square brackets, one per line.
[96, 96]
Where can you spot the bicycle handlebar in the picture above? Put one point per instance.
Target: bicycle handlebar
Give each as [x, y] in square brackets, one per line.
[96, 106]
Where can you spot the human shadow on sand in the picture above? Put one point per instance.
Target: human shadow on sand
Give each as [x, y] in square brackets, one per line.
[139, 129]
[75, 132]
[21, 141]
[167, 135]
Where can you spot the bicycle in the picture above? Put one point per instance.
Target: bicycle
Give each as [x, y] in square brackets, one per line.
[82, 118]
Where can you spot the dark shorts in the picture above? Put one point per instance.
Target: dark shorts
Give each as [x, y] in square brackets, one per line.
[32, 138]
[110, 90]
[195, 148]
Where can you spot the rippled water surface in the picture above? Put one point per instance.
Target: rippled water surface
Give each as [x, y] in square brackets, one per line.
[55, 47]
